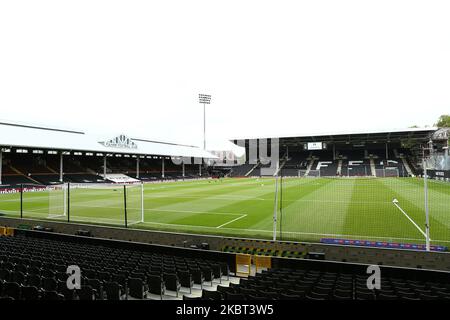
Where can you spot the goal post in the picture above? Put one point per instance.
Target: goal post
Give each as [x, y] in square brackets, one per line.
[106, 203]
[42, 201]
[135, 203]
[57, 201]
[388, 172]
[314, 174]
[309, 173]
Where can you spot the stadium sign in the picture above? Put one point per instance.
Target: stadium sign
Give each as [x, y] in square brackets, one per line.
[121, 141]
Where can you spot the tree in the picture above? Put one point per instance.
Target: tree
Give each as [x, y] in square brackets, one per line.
[443, 121]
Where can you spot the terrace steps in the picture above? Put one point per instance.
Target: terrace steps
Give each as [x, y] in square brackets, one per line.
[17, 171]
[51, 170]
[310, 165]
[252, 169]
[407, 167]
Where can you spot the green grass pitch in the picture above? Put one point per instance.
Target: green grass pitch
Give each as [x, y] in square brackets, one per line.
[308, 209]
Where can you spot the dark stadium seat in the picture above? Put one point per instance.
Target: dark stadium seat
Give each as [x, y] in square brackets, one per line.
[21, 268]
[18, 276]
[172, 282]
[97, 285]
[224, 290]
[156, 285]
[51, 295]
[49, 284]
[30, 293]
[269, 295]
[103, 276]
[225, 270]
[260, 298]
[12, 289]
[197, 276]
[208, 275]
[136, 288]
[6, 298]
[298, 292]
[5, 275]
[191, 298]
[121, 279]
[47, 272]
[211, 295]
[288, 297]
[359, 295]
[113, 291]
[217, 272]
[34, 280]
[66, 292]
[86, 293]
[186, 280]
[235, 296]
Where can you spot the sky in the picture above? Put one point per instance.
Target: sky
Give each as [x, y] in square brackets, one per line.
[272, 67]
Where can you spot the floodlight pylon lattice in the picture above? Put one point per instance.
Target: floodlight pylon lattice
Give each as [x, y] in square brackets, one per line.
[204, 99]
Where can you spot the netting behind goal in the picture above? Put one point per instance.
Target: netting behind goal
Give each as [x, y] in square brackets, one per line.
[40, 201]
[106, 203]
[135, 203]
[387, 172]
[57, 201]
[386, 209]
[308, 173]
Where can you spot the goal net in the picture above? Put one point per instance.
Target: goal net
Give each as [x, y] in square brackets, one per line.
[309, 174]
[135, 203]
[40, 201]
[115, 204]
[387, 172]
[57, 201]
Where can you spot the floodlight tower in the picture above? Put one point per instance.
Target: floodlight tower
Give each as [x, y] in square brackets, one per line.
[204, 99]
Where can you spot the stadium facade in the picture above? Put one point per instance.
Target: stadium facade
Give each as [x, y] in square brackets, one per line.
[364, 153]
[155, 263]
[46, 155]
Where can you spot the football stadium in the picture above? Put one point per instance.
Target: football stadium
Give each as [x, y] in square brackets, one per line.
[196, 224]
[209, 159]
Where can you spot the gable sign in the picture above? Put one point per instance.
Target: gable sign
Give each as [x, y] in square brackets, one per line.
[121, 141]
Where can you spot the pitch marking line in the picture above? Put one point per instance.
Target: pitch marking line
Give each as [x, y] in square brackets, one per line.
[95, 219]
[395, 202]
[287, 232]
[164, 210]
[226, 223]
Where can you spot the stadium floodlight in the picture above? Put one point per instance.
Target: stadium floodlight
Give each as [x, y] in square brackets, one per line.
[204, 99]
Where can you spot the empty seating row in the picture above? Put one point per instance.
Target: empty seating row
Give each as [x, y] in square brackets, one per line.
[293, 284]
[106, 272]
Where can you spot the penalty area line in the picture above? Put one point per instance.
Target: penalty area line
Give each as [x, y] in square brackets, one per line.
[395, 203]
[227, 223]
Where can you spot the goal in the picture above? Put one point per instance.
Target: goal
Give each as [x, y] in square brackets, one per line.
[116, 204]
[57, 201]
[387, 172]
[309, 174]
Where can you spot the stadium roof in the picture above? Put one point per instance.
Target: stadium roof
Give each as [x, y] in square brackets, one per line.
[395, 135]
[16, 135]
